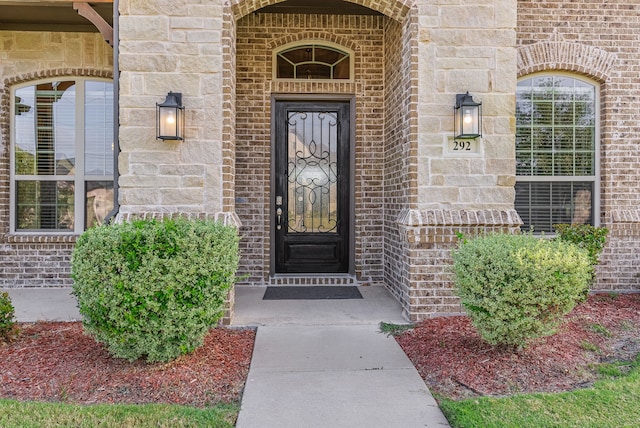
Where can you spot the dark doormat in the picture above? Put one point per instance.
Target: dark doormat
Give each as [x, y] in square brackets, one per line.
[304, 292]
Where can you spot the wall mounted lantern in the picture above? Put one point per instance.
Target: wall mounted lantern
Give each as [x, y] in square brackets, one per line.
[467, 117]
[170, 118]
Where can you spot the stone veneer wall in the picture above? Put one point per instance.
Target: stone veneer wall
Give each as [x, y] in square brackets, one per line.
[466, 46]
[39, 260]
[450, 48]
[178, 46]
[258, 35]
[599, 40]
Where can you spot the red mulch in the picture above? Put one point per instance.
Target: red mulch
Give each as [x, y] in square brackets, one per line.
[56, 361]
[52, 361]
[455, 362]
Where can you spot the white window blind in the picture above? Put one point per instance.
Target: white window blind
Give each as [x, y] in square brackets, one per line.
[556, 151]
[58, 172]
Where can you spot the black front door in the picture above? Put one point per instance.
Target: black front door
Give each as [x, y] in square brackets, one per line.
[311, 203]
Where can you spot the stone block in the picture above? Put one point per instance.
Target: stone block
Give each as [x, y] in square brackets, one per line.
[161, 83]
[506, 180]
[470, 180]
[199, 64]
[138, 137]
[28, 41]
[73, 56]
[465, 63]
[192, 181]
[506, 13]
[504, 166]
[149, 27]
[135, 196]
[204, 36]
[475, 81]
[182, 170]
[476, 197]
[136, 180]
[163, 155]
[191, 22]
[439, 196]
[147, 169]
[447, 166]
[201, 152]
[182, 196]
[156, 62]
[156, 7]
[146, 46]
[473, 16]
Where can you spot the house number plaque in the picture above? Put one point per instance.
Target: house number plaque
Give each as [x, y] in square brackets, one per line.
[463, 147]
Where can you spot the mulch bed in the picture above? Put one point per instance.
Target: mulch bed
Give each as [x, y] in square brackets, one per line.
[56, 361]
[53, 361]
[455, 362]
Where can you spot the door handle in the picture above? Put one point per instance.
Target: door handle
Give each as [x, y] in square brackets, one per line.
[279, 218]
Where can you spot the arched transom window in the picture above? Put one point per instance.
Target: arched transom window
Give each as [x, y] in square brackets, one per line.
[313, 61]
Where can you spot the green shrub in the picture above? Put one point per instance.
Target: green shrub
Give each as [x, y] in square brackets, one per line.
[152, 288]
[8, 328]
[518, 287]
[585, 236]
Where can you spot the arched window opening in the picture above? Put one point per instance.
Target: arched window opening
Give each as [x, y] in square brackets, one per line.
[557, 162]
[313, 61]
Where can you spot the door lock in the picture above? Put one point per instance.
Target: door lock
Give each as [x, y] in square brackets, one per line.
[279, 218]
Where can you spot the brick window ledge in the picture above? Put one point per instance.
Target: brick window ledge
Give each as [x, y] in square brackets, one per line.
[41, 239]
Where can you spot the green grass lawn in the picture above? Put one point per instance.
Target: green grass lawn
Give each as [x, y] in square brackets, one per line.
[610, 403]
[35, 414]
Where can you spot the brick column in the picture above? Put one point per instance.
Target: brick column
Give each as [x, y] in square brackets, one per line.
[428, 238]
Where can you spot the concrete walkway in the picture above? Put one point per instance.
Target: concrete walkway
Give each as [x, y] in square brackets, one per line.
[43, 304]
[316, 363]
[324, 363]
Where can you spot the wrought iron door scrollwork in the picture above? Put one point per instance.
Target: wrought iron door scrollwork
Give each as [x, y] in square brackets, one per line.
[312, 172]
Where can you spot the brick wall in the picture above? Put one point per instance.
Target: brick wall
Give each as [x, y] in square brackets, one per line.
[428, 237]
[257, 36]
[400, 178]
[599, 40]
[39, 261]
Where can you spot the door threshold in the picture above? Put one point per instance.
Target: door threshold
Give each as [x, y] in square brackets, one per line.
[313, 279]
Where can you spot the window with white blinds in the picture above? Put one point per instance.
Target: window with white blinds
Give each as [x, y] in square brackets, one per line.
[62, 155]
[556, 151]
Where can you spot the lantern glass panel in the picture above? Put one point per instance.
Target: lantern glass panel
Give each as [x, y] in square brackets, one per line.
[169, 117]
[168, 121]
[467, 117]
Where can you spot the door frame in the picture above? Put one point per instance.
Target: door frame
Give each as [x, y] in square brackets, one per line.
[272, 176]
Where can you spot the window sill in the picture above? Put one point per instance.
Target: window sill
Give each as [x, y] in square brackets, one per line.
[30, 238]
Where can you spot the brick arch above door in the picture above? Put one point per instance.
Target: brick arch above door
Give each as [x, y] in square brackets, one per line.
[395, 9]
[315, 36]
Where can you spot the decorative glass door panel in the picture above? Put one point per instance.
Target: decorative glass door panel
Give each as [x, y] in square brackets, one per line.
[312, 175]
[311, 201]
